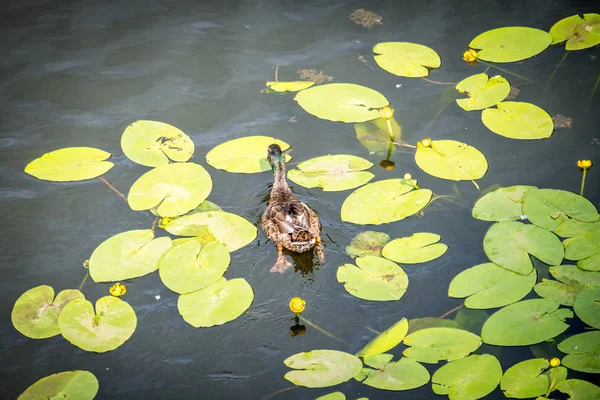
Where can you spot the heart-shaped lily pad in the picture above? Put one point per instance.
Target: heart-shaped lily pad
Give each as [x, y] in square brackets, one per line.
[503, 204]
[510, 44]
[530, 378]
[292, 86]
[332, 173]
[449, 159]
[418, 248]
[79, 385]
[406, 59]
[483, 91]
[367, 243]
[518, 120]
[548, 208]
[245, 155]
[579, 33]
[472, 377]
[70, 164]
[583, 352]
[386, 340]
[587, 306]
[322, 368]
[374, 278]
[583, 243]
[578, 389]
[433, 344]
[404, 374]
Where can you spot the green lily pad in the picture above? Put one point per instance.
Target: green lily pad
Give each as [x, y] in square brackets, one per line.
[433, 344]
[518, 120]
[332, 396]
[292, 86]
[587, 306]
[583, 352]
[583, 243]
[322, 368]
[154, 143]
[510, 44]
[417, 324]
[229, 229]
[472, 377]
[564, 293]
[470, 319]
[332, 173]
[548, 208]
[572, 273]
[579, 33]
[367, 243]
[245, 155]
[80, 385]
[526, 322]
[418, 248]
[374, 135]
[503, 204]
[406, 59]
[483, 91]
[579, 390]
[127, 255]
[111, 325]
[386, 340]
[221, 302]
[509, 244]
[35, 313]
[384, 201]
[191, 266]
[70, 164]
[344, 102]
[404, 374]
[449, 159]
[530, 378]
[489, 286]
[375, 279]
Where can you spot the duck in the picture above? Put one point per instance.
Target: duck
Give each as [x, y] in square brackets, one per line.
[287, 221]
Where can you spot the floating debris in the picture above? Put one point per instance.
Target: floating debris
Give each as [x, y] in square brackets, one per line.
[365, 18]
[561, 121]
[513, 94]
[313, 75]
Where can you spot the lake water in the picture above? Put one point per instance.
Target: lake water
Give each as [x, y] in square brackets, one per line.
[76, 73]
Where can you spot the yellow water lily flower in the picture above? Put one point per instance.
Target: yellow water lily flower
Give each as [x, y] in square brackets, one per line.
[424, 143]
[386, 113]
[584, 164]
[555, 362]
[117, 289]
[164, 221]
[470, 56]
[297, 305]
[86, 264]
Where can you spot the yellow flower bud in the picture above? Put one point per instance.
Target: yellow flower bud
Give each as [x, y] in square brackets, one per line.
[86, 264]
[424, 143]
[584, 164]
[117, 289]
[555, 362]
[297, 305]
[386, 113]
[407, 176]
[164, 221]
[470, 56]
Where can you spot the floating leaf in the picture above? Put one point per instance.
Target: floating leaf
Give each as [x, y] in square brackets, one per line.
[433, 344]
[386, 340]
[80, 385]
[293, 86]
[526, 322]
[564, 293]
[510, 44]
[322, 368]
[489, 286]
[483, 91]
[471, 320]
[406, 59]
[384, 201]
[127, 255]
[580, 33]
[579, 390]
[332, 396]
[503, 204]
[229, 229]
[244, 155]
[106, 329]
[221, 302]
[571, 273]
[530, 378]
[509, 244]
[35, 313]
[548, 208]
[154, 143]
[587, 306]
[70, 164]
[191, 266]
[583, 243]
[472, 377]
[449, 159]
[332, 173]
[367, 243]
[583, 352]
[375, 278]
[518, 120]
[417, 324]
[418, 248]
[345, 102]
[375, 135]
[404, 374]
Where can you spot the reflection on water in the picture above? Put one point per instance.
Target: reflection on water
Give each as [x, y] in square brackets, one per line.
[78, 73]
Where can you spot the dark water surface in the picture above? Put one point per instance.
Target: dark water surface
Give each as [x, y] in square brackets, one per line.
[76, 73]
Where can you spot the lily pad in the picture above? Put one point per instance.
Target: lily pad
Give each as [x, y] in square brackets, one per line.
[509, 245]
[417, 324]
[367, 243]
[111, 325]
[332, 173]
[587, 306]
[510, 44]
[518, 120]
[472, 377]
[229, 229]
[483, 91]
[332, 396]
[406, 59]
[374, 135]
[583, 243]
[579, 33]
[344, 102]
[386, 340]
[526, 322]
[572, 273]
[578, 389]
[449, 159]
[245, 155]
[221, 302]
[418, 248]
[489, 286]
[322, 368]
[564, 293]
[127, 255]
[433, 344]
[70, 164]
[503, 204]
[292, 86]
[548, 208]
[374, 278]
[191, 266]
[154, 143]
[35, 313]
[583, 352]
[530, 378]
[80, 385]
[404, 374]
[384, 201]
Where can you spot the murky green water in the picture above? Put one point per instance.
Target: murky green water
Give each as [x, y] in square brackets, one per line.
[77, 73]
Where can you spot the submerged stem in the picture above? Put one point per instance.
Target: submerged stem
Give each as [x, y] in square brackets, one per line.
[582, 182]
[113, 188]
[84, 280]
[475, 183]
[321, 330]
[506, 71]
[556, 69]
[594, 90]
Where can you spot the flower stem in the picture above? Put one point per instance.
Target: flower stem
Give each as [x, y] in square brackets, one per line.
[321, 330]
[506, 71]
[583, 182]
[389, 125]
[556, 69]
[84, 280]
[594, 90]
[551, 387]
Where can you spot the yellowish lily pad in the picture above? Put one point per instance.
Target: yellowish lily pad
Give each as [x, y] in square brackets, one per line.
[245, 155]
[510, 44]
[386, 340]
[483, 91]
[449, 159]
[293, 86]
[518, 120]
[322, 368]
[418, 248]
[332, 173]
[70, 164]
[79, 385]
[374, 278]
[431, 345]
[579, 33]
[503, 204]
[406, 59]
